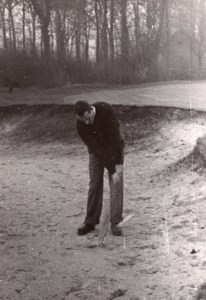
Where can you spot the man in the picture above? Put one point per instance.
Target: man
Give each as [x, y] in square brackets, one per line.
[99, 129]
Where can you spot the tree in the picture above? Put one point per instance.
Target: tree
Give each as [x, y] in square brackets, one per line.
[124, 33]
[196, 33]
[155, 15]
[111, 32]
[10, 5]
[201, 35]
[86, 30]
[127, 39]
[96, 9]
[3, 23]
[43, 10]
[167, 25]
[60, 17]
[104, 34]
[33, 33]
[23, 24]
[137, 33]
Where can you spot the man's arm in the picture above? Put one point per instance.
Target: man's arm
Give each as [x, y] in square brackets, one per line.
[115, 141]
[113, 151]
[90, 142]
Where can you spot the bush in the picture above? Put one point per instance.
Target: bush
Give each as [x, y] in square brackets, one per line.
[116, 73]
[16, 70]
[23, 70]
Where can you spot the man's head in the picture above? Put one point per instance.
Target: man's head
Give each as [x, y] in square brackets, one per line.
[84, 112]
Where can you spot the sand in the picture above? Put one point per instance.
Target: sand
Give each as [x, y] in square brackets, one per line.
[44, 182]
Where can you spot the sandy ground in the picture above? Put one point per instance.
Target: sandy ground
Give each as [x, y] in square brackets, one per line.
[161, 254]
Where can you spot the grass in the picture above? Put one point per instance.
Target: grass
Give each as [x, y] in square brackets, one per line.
[181, 94]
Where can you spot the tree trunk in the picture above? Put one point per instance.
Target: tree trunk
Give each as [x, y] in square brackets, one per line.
[192, 37]
[97, 32]
[78, 40]
[111, 36]
[10, 35]
[154, 36]
[138, 52]
[45, 36]
[86, 31]
[201, 34]
[34, 32]
[23, 25]
[124, 33]
[104, 34]
[159, 34]
[136, 23]
[43, 10]
[11, 20]
[167, 23]
[51, 30]
[60, 35]
[2, 11]
[86, 35]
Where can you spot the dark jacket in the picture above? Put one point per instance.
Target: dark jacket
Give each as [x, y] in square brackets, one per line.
[103, 136]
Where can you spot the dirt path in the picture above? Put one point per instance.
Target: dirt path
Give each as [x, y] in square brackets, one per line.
[43, 195]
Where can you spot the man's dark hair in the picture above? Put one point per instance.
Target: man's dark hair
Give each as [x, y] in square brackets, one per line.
[81, 107]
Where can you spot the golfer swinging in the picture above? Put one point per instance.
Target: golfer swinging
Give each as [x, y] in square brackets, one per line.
[99, 129]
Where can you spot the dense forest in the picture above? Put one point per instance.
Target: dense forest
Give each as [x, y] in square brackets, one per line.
[56, 42]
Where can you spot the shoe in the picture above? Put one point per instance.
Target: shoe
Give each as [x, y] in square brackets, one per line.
[116, 230]
[85, 228]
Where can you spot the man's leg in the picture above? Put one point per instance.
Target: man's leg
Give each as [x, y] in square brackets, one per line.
[95, 193]
[116, 200]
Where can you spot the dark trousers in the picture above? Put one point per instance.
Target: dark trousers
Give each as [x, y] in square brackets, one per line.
[95, 193]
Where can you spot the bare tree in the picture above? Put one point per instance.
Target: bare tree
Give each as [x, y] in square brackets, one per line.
[104, 34]
[124, 33]
[127, 33]
[201, 36]
[197, 41]
[155, 16]
[23, 25]
[135, 4]
[33, 29]
[60, 17]
[191, 32]
[10, 5]
[96, 8]
[3, 23]
[111, 32]
[167, 25]
[43, 10]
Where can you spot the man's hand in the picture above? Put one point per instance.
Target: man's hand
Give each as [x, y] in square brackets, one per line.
[117, 175]
[119, 169]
